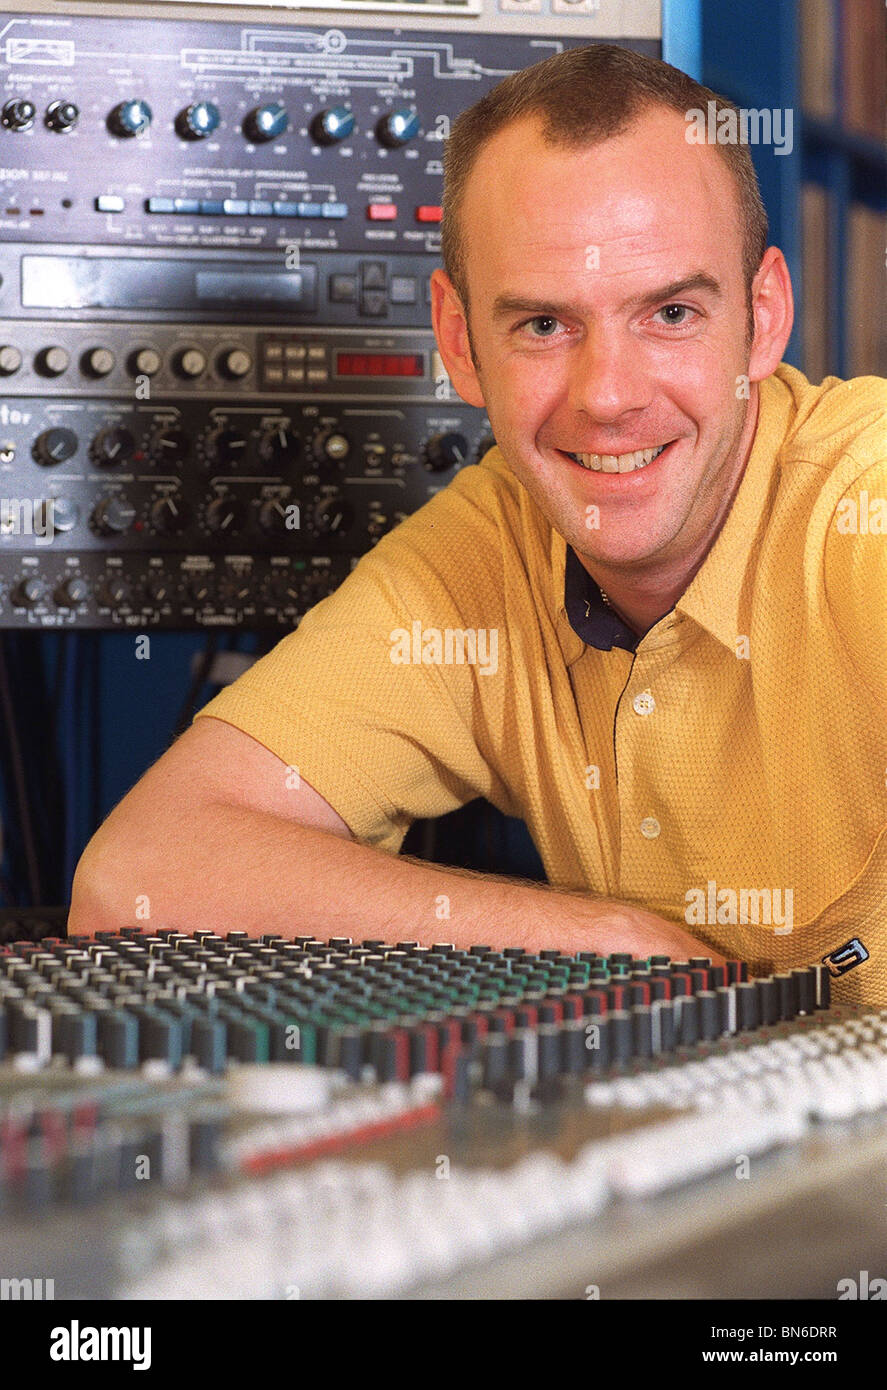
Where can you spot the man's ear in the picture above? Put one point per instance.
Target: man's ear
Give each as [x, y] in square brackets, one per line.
[451, 331]
[774, 313]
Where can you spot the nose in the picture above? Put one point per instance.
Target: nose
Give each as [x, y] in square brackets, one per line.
[608, 377]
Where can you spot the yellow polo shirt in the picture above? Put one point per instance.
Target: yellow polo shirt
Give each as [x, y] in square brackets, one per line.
[730, 773]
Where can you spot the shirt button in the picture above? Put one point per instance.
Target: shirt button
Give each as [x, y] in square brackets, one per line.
[643, 703]
[650, 827]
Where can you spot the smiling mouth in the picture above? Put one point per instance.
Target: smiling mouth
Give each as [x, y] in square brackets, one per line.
[617, 463]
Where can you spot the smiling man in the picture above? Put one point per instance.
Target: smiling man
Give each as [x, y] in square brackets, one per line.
[688, 700]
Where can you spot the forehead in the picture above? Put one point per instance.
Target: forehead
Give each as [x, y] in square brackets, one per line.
[647, 200]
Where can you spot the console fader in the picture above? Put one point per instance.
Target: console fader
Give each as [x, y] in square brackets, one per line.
[219, 383]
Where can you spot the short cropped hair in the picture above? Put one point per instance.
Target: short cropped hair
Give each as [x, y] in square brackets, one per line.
[584, 96]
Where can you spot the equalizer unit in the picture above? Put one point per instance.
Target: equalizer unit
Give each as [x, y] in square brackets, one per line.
[220, 386]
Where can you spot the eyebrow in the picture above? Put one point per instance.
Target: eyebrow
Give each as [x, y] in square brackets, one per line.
[506, 304]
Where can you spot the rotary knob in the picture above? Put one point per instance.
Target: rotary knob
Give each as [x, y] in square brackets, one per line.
[331, 446]
[71, 592]
[52, 361]
[333, 124]
[333, 516]
[170, 447]
[61, 116]
[157, 588]
[198, 121]
[29, 591]
[190, 363]
[225, 516]
[57, 515]
[98, 361]
[18, 114]
[280, 446]
[200, 588]
[398, 128]
[145, 362]
[226, 448]
[130, 118]
[10, 360]
[55, 445]
[113, 591]
[234, 589]
[444, 451]
[169, 515]
[276, 516]
[112, 516]
[266, 122]
[235, 363]
[112, 446]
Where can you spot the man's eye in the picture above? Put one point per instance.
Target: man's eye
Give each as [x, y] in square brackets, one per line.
[675, 315]
[542, 326]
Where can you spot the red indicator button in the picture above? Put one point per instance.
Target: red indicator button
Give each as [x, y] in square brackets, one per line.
[427, 213]
[381, 212]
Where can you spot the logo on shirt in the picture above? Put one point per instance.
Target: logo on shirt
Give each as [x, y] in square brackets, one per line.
[845, 957]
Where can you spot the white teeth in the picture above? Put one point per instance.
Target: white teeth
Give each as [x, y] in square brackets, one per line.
[618, 463]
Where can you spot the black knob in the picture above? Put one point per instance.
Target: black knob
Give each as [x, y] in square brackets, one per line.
[226, 448]
[398, 127]
[280, 446]
[266, 122]
[333, 516]
[113, 515]
[157, 587]
[58, 514]
[18, 114]
[130, 118]
[331, 446]
[200, 588]
[61, 116]
[29, 591]
[113, 591]
[72, 592]
[113, 445]
[234, 588]
[55, 445]
[275, 514]
[235, 363]
[169, 515]
[198, 120]
[170, 447]
[333, 124]
[225, 516]
[190, 363]
[445, 451]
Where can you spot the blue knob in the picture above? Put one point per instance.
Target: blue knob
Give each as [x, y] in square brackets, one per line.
[398, 127]
[332, 125]
[267, 122]
[131, 117]
[199, 120]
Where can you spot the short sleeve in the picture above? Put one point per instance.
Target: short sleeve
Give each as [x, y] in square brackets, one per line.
[385, 694]
[856, 576]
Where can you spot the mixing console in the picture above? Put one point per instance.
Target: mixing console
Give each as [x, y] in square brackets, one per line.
[399, 1115]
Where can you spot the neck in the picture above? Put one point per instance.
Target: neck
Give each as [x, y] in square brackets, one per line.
[641, 595]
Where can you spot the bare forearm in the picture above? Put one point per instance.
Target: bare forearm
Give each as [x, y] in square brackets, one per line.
[234, 868]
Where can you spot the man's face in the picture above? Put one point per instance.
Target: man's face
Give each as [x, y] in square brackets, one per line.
[609, 317]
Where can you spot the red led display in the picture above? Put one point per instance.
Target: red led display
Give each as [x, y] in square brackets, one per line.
[379, 364]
